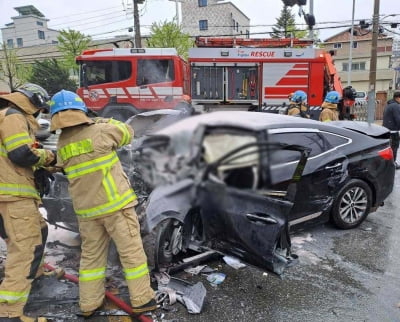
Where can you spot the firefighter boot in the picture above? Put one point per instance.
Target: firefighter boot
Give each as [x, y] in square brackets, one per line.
[149, 306]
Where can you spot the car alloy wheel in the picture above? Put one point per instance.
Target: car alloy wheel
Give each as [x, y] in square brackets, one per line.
[169, 241]
[352, 204]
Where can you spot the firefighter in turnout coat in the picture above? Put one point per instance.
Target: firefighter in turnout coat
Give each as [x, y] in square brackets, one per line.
[329, 107]
[297, 105]
[21, 224]
[103, 201]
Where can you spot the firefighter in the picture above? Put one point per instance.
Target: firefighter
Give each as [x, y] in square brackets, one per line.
[21, 224]
[297, 105]
[103, 200]
[330, 107]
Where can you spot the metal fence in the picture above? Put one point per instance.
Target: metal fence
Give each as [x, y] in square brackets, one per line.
[360, 110]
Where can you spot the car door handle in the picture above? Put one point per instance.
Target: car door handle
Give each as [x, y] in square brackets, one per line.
[336, 165]
[265, 218]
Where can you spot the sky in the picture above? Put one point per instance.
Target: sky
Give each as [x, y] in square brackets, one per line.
[107, 18]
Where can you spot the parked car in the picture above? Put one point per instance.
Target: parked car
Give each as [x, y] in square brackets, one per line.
[235, 182]
[361, 97]
[217, 184]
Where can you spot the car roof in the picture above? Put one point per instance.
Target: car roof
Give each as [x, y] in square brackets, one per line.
[252, 121]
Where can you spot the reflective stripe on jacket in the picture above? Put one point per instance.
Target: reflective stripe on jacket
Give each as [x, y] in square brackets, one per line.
[16, 181]
[97, 183]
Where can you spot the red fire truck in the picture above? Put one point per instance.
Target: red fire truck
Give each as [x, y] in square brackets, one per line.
[259, 74]
[221, 73]
[121, 82]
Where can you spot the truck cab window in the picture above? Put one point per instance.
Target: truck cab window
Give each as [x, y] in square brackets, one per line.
[100, 72]
[151, 71]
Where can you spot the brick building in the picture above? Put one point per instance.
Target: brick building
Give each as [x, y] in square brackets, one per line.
[361, 57]
[213, 18]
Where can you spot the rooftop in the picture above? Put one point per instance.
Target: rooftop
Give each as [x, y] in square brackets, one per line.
[29, 10]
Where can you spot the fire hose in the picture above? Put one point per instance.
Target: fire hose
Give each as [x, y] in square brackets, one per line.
[120, 303]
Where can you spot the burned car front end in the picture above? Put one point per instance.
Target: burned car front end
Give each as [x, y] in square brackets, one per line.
[211, 185]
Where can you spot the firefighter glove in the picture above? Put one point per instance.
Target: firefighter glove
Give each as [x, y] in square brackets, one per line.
[43, 180]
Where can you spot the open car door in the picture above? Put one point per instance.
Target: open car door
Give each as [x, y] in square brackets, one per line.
[241, 216]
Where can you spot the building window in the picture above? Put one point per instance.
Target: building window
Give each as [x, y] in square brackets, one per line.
[355, 44]
[354, 66]
[10, 43]
[237, 26]
[203, 24]
[337, 45]
[247, 34]
[358, 66]
[233, 23]
[202, 3]
[41, 34]
[39, 23]
[20, 42]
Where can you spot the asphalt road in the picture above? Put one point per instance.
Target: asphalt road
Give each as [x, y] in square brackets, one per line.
[351, 275]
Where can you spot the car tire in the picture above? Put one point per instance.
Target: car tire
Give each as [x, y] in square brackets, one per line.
[163, 244]
[119, 112]
[352, 204]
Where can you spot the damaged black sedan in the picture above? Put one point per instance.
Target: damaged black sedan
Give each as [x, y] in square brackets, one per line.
[225, 181]
[235, 182]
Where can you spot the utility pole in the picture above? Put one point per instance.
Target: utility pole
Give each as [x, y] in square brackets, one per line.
[177, 11]
[351, 46]
[372, 66]
[136, 23]
[311, 32]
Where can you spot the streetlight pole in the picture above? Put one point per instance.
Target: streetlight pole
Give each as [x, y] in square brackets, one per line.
[372, 66]
[351, 46]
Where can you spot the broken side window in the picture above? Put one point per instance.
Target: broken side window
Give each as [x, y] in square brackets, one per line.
[241, 170]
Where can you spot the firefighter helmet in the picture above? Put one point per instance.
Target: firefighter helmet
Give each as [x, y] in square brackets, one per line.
[66, 100]
[332, 97]
[299, 97]
[36, 94]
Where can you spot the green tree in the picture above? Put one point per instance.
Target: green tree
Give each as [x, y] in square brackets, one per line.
[71, 43]
[52, 76]
[169, 35]
[12, 70]
[285, 26]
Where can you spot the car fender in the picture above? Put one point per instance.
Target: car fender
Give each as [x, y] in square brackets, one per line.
[169, 201]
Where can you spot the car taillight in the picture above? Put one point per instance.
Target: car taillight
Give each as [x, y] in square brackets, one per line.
[386, 154]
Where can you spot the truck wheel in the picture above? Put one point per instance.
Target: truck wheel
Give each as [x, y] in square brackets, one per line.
[120, 112]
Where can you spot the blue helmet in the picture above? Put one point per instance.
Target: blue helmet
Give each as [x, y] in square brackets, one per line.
[332, 97]
[66, 100]
[299, 97]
